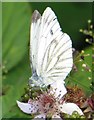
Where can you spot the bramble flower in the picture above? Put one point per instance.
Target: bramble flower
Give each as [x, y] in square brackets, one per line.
[50, 103]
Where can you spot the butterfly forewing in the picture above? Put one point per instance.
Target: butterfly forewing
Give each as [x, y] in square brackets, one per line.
[49, 25]
[51, 49]
[34, 39]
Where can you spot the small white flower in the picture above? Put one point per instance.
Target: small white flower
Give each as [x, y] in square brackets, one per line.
[50, 103]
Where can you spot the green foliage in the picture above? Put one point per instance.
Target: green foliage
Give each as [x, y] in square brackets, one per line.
[16, 84]
[83, 76]
[16, 70]
[82, 73]
[15, 29]
[74, 115]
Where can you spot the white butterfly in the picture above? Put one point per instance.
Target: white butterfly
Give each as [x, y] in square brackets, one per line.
[50, 50]
[51, 56]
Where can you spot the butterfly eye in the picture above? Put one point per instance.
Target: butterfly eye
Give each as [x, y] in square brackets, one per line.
[48, 86]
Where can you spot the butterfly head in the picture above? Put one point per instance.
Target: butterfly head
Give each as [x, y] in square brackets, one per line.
[36, 80]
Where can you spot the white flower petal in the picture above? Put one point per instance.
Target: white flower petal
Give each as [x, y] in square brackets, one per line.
[58, 89]
[27, 107]
[56, 116]
[69, 108]
[42, 116]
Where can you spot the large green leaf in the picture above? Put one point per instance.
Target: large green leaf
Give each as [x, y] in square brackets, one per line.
[13, 87]
[16, 19]
[0, 55]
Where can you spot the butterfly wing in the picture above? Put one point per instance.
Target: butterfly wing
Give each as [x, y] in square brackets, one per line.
[56, 61]
[48, 29]
[53, 49]
[34, 39]
[59, 59]
[40, 37]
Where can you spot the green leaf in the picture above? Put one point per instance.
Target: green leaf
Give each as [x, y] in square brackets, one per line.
[81, 77]
[16, 80]
[15, 112]
[16, 19]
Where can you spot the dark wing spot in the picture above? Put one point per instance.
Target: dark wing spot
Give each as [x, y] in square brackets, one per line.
[54, 19]
[33, 56]
[51, 32]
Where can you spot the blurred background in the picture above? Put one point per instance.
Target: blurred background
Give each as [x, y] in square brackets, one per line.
[16, 20]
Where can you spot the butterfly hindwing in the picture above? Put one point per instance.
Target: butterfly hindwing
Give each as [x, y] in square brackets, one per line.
[59, 60]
